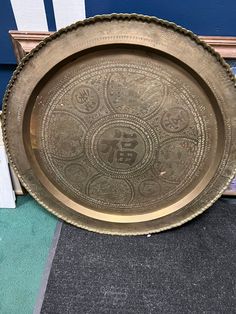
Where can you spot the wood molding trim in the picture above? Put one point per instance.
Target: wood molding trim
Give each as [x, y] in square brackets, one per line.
[23, 42]
[224, 45]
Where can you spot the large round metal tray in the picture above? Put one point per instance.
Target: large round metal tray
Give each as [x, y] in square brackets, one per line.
[122, 124]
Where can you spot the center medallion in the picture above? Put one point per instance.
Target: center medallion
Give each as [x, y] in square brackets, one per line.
[121, 145]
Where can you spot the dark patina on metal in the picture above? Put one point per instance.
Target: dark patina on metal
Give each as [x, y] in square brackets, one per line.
[122, 124]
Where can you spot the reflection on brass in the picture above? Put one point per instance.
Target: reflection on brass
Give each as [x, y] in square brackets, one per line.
[122, 124]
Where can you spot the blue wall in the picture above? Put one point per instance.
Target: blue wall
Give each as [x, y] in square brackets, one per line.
[203, 17]
[6, 71]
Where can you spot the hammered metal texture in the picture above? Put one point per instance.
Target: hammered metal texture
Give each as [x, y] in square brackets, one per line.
[125, 124]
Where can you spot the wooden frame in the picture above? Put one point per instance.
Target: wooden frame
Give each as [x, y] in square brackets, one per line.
[24, 42]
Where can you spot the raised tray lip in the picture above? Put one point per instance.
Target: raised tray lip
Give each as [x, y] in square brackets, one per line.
[100, 18]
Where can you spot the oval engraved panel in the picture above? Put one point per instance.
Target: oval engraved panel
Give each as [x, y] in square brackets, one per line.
[109, 190]
[175, 159]
[149, 188]
[64, 135]
[75, 173]
[134, 93]
[175, 119]
[85, 99]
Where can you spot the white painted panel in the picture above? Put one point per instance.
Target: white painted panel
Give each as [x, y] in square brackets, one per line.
[16, 183]
[68, 11]
[30, 15]
[7, 196]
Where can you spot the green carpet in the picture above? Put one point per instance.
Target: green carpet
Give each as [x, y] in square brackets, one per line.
[25, 238]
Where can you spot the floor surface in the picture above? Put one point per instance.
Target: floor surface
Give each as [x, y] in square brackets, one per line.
[25, 238]
[191, 269]
[56, 270]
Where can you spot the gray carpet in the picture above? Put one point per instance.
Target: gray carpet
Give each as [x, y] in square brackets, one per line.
[191, 269]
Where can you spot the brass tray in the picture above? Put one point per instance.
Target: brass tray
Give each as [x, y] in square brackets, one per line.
[122, 124]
